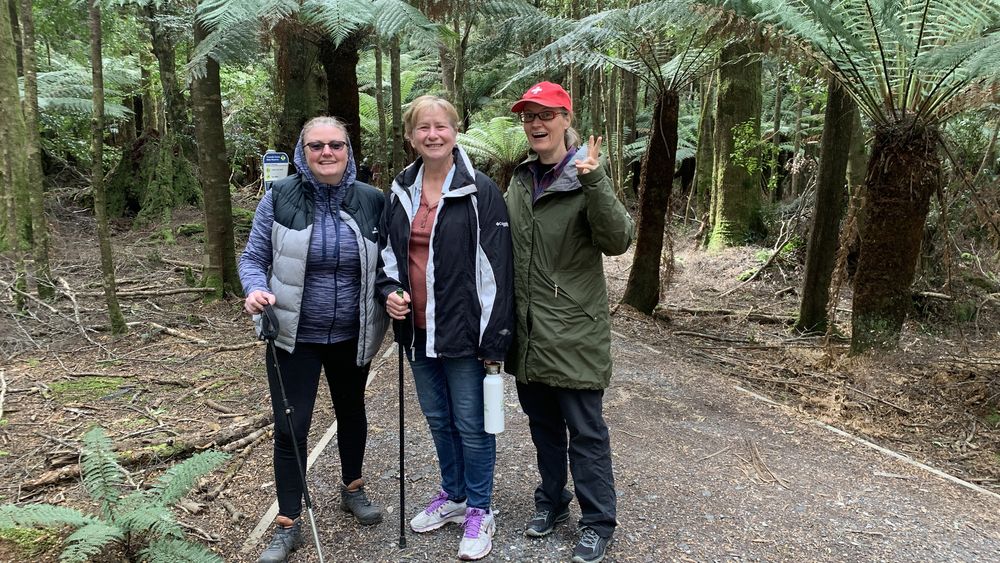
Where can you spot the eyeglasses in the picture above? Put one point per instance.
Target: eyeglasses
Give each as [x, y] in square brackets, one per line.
[335, 146]
[547, 115]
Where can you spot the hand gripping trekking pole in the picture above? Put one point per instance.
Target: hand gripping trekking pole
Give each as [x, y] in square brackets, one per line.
[268, 332]
[397, 325]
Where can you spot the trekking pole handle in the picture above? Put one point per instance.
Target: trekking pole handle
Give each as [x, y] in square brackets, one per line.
[268, 323]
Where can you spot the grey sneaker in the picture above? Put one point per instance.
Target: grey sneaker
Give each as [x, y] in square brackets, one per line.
[284, 542]
[438, 513]
[477, 542]
[591, 548]
[356, 502]
[544, 521]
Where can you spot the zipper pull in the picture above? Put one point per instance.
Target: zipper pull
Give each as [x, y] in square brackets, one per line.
[557, 291]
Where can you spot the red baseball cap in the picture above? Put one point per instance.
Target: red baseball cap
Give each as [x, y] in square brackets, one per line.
[548, 94]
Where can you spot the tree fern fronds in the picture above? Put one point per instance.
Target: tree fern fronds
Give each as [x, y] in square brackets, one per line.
[102, 476]
[151, 518]
[81, 106]
[229, 44]
[44, 515]
[499, 141]
[272, 12]
[337, 19]
[182, 477]
[176, 551]
[393, 17]
[89, 540]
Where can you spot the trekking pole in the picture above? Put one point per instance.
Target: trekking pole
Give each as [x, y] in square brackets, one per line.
[402, 467]
[268, 332]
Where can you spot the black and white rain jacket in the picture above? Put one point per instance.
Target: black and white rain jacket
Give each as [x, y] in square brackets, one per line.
[470, 293]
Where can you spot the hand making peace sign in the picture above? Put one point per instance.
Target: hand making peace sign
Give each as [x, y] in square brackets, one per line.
[593, 151]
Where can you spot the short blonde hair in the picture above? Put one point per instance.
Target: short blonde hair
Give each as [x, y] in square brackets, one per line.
[424, 103]
[325, 120]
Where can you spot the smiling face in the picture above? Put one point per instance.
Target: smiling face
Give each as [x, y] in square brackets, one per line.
[433, 135]
[327, 165]
[547, 138]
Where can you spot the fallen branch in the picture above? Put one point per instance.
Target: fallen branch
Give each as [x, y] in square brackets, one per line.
[750, 316]
[176, 448]
[218, 407]
[3, 389]
[710, 337]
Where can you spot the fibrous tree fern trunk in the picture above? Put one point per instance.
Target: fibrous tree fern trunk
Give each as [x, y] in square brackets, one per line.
[97, 173]
[33, 152]
[213, 163]
[903, 173]
[821, 252]
[295, 63]
[655, 183]
[340, 62]
[736, 189]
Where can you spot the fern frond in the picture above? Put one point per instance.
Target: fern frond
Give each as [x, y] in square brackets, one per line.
[178, 551]
[498, 142]
[151, 518]
[44, 515]
[338, 19]
[393, 17]
[180, 478]
[102, 476]
[89, 540]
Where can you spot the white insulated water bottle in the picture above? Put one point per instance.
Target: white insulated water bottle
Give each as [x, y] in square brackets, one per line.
[493, 399]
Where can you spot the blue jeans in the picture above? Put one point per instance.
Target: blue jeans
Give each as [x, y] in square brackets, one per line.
[450, 391]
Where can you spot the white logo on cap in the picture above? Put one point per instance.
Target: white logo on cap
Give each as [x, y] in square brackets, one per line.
[536, 90]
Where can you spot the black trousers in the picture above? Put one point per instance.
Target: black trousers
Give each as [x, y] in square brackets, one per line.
[300, 372]
[554, 412]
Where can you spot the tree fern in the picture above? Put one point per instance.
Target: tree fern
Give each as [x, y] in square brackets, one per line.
[500, 141]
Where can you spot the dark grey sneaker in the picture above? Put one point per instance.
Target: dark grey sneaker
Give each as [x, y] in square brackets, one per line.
[284, 542]
[544, 521]
[591, 548]
[357, 503]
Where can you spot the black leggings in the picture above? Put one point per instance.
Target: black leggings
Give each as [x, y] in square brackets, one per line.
[300, 373]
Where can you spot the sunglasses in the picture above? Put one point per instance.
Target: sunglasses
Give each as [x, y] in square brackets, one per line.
[547, 115]
[335, 146]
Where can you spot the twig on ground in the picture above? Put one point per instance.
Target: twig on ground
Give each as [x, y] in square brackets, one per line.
[710, 456]
[763, 471]
[76, 310]
[710, 337]
[3, 389]
[218, 407]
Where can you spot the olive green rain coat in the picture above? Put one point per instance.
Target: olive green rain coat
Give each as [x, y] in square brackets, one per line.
[563, 335]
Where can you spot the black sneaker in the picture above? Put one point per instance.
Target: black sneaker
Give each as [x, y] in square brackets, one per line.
[544, 521]
[591, 548]
[284, 542]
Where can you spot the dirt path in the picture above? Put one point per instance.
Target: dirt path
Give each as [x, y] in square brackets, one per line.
[703, 471]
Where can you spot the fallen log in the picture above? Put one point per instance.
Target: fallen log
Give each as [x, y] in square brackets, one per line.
[173, 448]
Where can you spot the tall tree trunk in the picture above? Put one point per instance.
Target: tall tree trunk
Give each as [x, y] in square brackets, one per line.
[821, 253]
[382, 162]
[447, 70]
[630, 92]
[295, 60]
[341, 66]
[596, 103]
[398, 157]
[118, 325]
[705, 154]
[213, 163]
[775, 179]
[460, 52]
[33, 142]
[737, 191]
[16, 34]
[904, 170]
[164, 51]
[655, 183]
[13, 173]
[798, 160]
[610, 108]
[148, 117]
